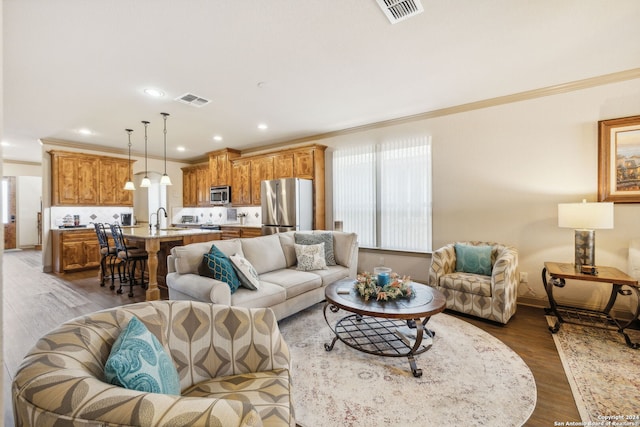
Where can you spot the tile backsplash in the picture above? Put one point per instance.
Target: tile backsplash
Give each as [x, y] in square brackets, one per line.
[88, 214]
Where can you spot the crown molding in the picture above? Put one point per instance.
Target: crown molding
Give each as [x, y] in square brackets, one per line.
[21, 162]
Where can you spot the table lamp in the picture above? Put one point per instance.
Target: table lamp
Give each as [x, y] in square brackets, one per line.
[585, 218]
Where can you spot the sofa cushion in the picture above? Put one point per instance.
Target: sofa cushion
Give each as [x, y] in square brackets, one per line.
[264, 253]
[138, 361]
[189, 257]
[269, 295]
[311, 257]
[293, 281]
[229, 247]
[288, 241]
[246, 273]
[473, 259]
[303, 238]
[343, 245]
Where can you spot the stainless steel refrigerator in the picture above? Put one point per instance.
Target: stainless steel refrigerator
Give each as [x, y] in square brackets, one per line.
[287, 204]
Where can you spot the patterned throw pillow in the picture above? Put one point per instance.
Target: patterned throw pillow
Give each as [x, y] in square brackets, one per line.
[217, 265]
[310, 257]
[314, 239]
[473, 259]
[246, 273]
[139, 362]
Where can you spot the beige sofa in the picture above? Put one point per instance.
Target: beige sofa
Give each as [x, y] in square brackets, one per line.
[233, 366]
[282, 287]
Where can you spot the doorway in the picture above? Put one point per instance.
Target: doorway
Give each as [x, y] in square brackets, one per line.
[9, 211]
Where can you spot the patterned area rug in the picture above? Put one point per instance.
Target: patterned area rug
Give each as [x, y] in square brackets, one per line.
[469, 378]
[603, 372]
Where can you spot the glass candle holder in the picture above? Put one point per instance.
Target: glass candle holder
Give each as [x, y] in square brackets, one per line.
[382, 275]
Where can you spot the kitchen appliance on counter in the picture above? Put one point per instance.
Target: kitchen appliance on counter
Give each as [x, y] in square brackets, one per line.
[210, 227]
[126, 219]
[287, 204]
[220, 195]
[189, 219]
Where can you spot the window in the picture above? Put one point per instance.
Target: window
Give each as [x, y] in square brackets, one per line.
[383, 193]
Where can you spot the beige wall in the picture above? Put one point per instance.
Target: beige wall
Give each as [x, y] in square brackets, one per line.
[500, 172]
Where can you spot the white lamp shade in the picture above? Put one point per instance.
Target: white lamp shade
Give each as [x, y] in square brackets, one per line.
[146, 182]
[585, 215]
[165, 180]
[129, 185]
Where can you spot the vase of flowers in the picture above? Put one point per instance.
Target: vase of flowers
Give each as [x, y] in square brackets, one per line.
[242, 216]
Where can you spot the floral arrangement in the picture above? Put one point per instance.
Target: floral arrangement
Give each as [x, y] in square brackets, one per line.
[242, 215]
[367, 286]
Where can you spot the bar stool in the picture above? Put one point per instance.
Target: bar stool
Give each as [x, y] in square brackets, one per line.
[130, 260]
[108, 255]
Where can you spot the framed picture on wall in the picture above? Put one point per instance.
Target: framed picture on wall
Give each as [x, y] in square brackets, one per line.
[619, 160]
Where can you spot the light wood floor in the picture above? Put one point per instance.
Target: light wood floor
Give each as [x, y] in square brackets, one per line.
[35, 302]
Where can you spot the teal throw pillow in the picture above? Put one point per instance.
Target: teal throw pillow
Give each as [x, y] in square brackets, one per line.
[473, 259]
[139, 362]
[217, 265]
[317, 238]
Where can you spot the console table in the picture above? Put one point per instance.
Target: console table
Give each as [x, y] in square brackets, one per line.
[554, 274]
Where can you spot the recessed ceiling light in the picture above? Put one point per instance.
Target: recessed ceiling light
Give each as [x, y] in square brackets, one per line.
[5, 144]
[217, 138]
[263, 126]
[181, 148]
[85, 131]
[154, 92]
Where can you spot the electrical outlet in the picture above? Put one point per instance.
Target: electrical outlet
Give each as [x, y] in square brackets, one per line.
[524, 277]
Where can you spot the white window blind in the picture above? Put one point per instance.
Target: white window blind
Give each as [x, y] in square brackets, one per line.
[383, 193]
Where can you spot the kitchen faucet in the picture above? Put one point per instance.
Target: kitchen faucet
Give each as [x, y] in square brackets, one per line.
[158, 216]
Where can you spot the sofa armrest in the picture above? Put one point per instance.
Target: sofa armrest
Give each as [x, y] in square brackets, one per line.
[443, 261]
[199, 288]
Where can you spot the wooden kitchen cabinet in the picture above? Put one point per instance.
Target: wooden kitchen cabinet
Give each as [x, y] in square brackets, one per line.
[74, 179]
[75, 250]
[261, 169]
[283, 166]
[189, 187]
[241, 179]
[235, 232]
[113, 175]
[196, 185]
[303, 164]
[220, 166]
[87, 180]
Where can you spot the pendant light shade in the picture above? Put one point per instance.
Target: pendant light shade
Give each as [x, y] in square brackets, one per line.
[146, 182]
[129, 185]
[165, 180]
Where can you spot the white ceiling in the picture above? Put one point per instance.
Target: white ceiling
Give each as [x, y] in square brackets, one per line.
[325, 65]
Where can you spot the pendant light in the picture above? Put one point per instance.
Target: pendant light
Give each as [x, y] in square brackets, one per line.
[165, 180]
[129, 185]
[146, 182]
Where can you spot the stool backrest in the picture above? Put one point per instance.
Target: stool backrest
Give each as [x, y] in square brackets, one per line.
[103, 239]
[118, 239]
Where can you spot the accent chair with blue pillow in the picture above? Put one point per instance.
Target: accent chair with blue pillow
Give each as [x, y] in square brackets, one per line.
[477, 278]
[223, 366]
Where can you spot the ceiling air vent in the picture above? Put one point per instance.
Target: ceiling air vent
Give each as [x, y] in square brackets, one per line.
[191, 99]
[399, 10]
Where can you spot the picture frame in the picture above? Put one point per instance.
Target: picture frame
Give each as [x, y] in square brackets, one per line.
[619, 160]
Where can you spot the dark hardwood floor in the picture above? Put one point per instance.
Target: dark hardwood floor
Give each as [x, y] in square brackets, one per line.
[35, 302]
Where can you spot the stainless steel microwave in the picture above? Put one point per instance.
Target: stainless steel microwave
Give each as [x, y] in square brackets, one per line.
[220, 195]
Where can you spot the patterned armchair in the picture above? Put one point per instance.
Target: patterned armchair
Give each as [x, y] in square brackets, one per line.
[232, 362]
[491, 297]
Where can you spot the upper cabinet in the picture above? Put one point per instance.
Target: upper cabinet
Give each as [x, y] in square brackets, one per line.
[196, 182]
[241, 182]
[261, 169]
[84, 179]
[220, 166]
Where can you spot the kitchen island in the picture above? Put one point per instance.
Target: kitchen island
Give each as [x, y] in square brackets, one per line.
[151, 241]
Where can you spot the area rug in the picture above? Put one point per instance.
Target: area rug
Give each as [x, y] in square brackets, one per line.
[604, 373]
[469, 378]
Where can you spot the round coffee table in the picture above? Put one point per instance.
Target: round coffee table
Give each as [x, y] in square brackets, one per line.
[383, 328]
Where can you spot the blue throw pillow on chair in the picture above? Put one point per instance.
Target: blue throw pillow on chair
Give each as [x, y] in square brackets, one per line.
[139, 362]
[473, 259]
